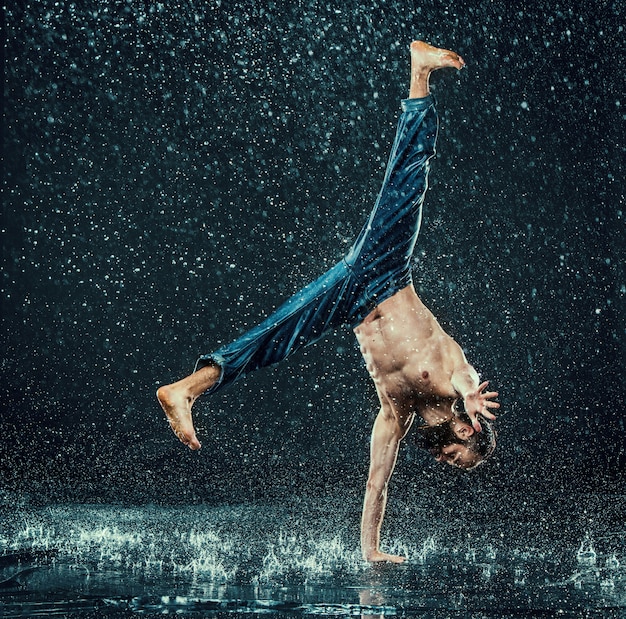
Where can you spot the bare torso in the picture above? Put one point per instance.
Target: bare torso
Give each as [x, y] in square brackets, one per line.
[410, 358]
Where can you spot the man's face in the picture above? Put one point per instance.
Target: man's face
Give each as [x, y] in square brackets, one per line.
[458, 455]
[450, 442]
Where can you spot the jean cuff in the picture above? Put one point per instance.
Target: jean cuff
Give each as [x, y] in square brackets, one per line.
[416, 105]
[213, 359]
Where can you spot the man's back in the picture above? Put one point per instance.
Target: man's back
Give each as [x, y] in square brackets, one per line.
[409, 356]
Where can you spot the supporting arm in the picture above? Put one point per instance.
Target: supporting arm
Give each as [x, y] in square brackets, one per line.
[385, 442]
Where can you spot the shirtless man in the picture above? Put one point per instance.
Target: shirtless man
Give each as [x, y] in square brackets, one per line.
[416, 367]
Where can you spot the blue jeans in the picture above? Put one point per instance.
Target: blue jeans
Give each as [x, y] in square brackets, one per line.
[376, 267]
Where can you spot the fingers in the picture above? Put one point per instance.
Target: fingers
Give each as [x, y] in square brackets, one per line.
[486, 414]
[476, 424]
[483, 401]
[488, 403]
[393, 558]
[378, 557]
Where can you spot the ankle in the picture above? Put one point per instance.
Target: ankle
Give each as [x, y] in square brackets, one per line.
[419, 86]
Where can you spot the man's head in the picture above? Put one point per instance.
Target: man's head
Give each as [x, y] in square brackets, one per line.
[456, 442]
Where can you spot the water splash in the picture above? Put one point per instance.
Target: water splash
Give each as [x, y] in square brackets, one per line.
[428, 549]
[199, 558]
[586, 554]
[308, 557]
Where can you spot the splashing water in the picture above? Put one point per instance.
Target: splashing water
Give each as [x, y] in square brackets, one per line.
[586, 554]
[253, 559]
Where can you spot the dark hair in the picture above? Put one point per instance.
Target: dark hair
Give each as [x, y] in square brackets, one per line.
[482, 443]
[434, 438]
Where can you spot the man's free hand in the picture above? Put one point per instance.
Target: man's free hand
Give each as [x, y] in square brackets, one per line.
[478, 403]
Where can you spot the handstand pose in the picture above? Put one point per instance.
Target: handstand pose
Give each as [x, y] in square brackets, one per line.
[417, 368]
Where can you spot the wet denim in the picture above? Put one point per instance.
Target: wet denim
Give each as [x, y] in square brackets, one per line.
[377, 265]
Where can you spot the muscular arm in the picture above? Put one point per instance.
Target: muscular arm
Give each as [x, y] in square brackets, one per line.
[465, 379]
[386, 436]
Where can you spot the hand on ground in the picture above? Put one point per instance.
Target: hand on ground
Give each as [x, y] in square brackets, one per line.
[378, 557]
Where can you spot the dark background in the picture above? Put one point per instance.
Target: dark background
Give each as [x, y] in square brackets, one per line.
[172, 171]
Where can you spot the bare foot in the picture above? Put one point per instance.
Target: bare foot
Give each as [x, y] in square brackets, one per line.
[178, 398]
[177, 406]
[424, 60]
[430, 58]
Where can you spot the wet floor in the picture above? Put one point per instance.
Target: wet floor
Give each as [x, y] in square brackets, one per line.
[294, 560]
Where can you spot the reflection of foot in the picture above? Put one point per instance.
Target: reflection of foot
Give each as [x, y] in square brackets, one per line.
[177, 406]
[425, 57]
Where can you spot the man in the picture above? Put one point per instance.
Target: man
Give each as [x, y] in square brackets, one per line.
[416, 367]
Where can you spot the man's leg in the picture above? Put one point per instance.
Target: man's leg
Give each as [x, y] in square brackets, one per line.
[321, 306]
[326, 303]
[381, 256]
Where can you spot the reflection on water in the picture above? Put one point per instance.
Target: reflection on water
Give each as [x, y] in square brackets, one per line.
[71, 560]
